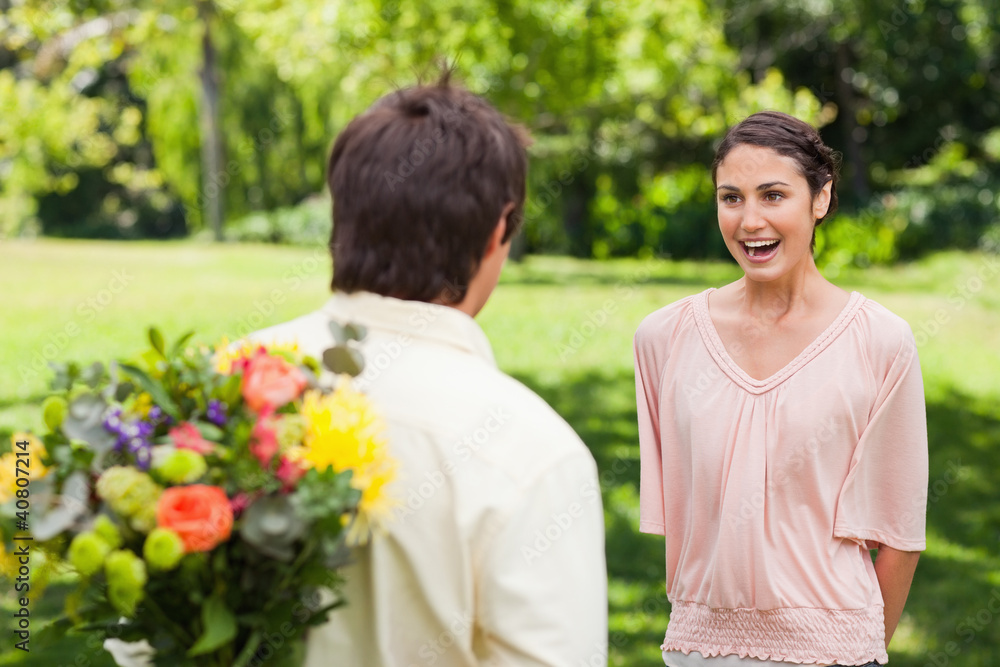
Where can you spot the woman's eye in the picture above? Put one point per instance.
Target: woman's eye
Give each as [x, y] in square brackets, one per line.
[729, 199]
[773, 196]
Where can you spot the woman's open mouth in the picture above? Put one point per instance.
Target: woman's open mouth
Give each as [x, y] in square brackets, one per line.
[760, 251]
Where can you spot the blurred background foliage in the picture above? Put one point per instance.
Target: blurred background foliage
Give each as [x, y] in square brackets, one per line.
[167, 118]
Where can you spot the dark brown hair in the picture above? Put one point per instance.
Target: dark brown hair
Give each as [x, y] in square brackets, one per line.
[419, 182]
[788, 136]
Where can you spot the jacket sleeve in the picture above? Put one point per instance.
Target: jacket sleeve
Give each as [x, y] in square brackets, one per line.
[543, 588]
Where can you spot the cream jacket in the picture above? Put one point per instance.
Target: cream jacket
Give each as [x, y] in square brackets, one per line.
[495, 554]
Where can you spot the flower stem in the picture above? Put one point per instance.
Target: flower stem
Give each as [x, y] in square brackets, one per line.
[249, 650]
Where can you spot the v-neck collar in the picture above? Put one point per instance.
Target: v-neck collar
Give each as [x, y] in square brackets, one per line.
[736, 373]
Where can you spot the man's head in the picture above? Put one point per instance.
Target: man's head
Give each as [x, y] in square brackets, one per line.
[428, 186]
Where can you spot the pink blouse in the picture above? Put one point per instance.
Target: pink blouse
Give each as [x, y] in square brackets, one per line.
[767, 489]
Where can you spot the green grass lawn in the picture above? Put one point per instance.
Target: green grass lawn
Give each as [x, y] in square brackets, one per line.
[564, 327]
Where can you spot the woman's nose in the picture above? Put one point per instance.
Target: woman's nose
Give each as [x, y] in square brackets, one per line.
[752, 219]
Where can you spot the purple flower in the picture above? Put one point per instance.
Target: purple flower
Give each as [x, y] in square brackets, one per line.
[113, 420]
[216, 412]
[143, 457]
[155, 414]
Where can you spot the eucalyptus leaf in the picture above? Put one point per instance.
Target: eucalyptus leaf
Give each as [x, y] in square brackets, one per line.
[355, 331]
[92, 374]
[84, 421]
[271, 525]
[219, 624]
[69, 507]
[338, 333]
[123, 390]
[342, 359]
[63, 375]
[154, 389]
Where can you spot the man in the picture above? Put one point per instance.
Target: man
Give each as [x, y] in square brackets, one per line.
[495, 553]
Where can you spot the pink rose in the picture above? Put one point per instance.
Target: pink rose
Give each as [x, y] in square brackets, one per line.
[187, 436]
[269, 382]
[263, 441]
[289, 472]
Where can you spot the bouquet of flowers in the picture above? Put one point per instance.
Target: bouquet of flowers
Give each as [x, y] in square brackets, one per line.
[204, 496]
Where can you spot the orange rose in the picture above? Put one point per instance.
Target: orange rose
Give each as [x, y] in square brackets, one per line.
[200, 514]
[269, 382]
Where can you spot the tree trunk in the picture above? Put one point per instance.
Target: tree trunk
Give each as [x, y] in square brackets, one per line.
[213, 177]
[845, 99]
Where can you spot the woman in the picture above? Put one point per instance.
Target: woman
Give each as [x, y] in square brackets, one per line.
[782, 432]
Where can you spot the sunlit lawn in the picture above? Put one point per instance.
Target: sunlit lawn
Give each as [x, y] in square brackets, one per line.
[564, 327]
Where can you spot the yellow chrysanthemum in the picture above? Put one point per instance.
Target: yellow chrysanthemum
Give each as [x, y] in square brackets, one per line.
[227, 353]
[8, 464]
[343, 431]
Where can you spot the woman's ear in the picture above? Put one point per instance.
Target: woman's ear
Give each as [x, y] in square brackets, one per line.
[821, 202]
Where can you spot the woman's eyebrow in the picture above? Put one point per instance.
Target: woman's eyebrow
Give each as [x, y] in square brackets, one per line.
[762, 186]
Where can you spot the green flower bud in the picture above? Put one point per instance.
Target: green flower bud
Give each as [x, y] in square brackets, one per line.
[107, 531]
[163, 549]
[129, 492]
[87, 552]
[126, 575]
[182, 466]
[144, 520]
[54, 409]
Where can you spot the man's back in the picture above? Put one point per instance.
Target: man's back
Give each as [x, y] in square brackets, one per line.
[495, 551]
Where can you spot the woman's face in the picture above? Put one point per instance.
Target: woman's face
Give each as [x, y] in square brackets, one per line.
[766, 212]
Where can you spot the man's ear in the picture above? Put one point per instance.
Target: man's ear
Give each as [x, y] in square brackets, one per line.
[496, 238]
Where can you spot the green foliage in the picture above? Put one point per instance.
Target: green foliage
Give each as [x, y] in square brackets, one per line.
[101, 111]
[307, 224]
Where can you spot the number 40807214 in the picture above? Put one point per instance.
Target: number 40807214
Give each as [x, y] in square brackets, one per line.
[22, 473]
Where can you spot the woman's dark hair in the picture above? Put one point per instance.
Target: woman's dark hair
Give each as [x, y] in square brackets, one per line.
[788, 136]
[419, 183]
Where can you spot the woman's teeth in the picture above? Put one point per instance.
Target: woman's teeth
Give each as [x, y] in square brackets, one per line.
[752, 246]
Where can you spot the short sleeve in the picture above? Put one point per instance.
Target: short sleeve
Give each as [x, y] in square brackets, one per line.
[647, 399]
[884, 497]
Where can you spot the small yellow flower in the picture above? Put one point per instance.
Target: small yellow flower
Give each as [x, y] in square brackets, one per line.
[343, 431]
[143, 402]
[31, 464]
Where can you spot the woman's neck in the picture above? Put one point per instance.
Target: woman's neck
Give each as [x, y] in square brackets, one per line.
[797, 291]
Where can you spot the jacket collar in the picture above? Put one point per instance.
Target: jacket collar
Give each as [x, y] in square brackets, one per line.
[417, 319]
